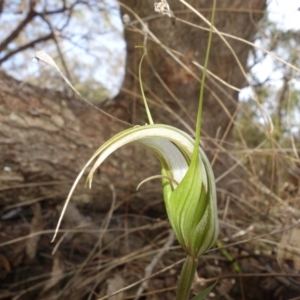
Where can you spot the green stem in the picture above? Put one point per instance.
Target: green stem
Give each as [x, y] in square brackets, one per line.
[201, 96]
[141, 86]
[186, 278]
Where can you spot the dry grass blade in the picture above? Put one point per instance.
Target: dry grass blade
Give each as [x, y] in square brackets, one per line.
[154, 261]
[45, 58]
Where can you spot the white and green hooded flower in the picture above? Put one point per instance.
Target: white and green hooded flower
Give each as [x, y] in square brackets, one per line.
[188, 182]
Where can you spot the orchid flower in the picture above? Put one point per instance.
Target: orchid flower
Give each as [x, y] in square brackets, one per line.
[188, 189]
[188, 186]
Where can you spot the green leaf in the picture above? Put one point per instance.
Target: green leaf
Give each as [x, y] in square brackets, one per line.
[204, 293]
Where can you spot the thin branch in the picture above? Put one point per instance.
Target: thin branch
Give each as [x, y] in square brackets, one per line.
[61, 56]
[31, 14]
[26, 46]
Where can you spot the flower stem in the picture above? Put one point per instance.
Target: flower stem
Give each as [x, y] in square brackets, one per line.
[141, 86]
[201, 96]
[186, 278]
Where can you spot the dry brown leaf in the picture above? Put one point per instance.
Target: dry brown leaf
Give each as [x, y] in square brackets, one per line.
[289, 247]
[35, 226]
[114, 284]
[4, 263]
[56, 275]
